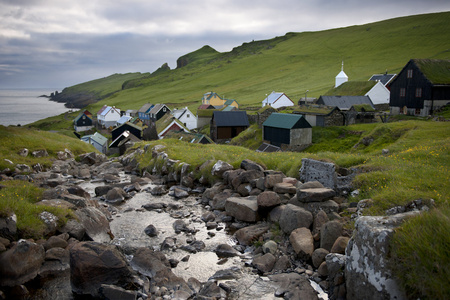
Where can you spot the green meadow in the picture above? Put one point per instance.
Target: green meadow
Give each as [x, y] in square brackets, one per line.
[293, 64]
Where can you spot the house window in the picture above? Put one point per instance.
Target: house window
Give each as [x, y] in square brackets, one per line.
[419, 92]
[188, 115]
[409, 74]
[402, 92]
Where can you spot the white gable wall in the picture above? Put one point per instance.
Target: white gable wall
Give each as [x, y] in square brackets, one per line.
[379, 94]
[187, 118]
[282, 101]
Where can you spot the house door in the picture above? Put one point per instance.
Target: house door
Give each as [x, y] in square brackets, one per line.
[233, 132]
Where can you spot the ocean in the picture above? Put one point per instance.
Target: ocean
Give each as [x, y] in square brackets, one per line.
[25, 106]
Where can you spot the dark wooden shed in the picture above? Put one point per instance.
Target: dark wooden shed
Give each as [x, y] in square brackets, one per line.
[287, 129]
[228, 124]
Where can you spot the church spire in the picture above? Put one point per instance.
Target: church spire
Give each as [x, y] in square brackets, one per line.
[341, 77]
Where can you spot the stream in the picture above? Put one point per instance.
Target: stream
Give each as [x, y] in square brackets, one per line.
[130, 219]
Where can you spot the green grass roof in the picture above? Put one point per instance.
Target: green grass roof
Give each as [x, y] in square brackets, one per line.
[352, 88]
[436, 70]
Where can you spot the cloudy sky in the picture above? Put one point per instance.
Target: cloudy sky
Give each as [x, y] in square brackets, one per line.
[59, 43]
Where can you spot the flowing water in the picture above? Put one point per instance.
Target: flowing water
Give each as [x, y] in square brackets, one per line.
[130, 220]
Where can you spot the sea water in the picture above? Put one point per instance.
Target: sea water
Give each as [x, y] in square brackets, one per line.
[25, 106]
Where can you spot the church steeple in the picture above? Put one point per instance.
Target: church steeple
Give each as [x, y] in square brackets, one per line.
[341, 77]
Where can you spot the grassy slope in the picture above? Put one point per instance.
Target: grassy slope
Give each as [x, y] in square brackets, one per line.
[293, 64]
[13, 139]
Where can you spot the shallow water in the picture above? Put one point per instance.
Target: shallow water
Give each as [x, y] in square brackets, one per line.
[130, 220]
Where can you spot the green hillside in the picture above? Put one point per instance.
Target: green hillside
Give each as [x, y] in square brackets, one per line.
[292, 63]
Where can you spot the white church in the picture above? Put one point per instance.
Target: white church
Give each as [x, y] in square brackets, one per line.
[378, 93]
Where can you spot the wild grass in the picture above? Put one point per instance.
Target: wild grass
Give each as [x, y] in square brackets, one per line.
[19, 197]
[251, 138]
[421, 255]
[13, 139]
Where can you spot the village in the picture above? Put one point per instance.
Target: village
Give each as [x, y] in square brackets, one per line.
[417, 90]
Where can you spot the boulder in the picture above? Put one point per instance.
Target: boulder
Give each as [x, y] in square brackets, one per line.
[329, 232]
[284, 188]
[179, 193]
[336, 280]
[247, 235]
[243, 209]
[155, 265]
[219, 200]
[264, 263]
[303, 243]
[74, 228]
[55, 241]
[93, 264]
[310, 185]
[368, 258]
[293, 286]
[283, 263]
[225, 250]
[57, 262]
[318, 256]
[20, 263]
[271, 179]
[268, 199]
[339, 245]
[248, 164]
[323, 270]
[151, 230]
[314, 170]
[40, 153]
[8, 227]
[50, 221]
[270, 247]
[220, 167]
[95, 223]
[293, 217]
[113, 292]
[116, 195]
[246, 177]
[320, 218]
[23, 152]
[315, 195]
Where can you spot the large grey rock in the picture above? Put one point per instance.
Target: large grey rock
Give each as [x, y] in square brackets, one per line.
[156, 266]
[293, 217]
[264, 263]
[247, 235]
[225, 250]
[95, 223]
[336, 267]
[268, 199]
[8, 227]
[315, 195]
[368, 259]
[219, 200]
[318, 256]
[284, 188]
[21, 263]
[93, 264]
[293, 286]
[314, 170]
[220, 167]
[116, 195]
[329, 232]
[271, 179]
[303, 243]
[243, 209]
[248, 164]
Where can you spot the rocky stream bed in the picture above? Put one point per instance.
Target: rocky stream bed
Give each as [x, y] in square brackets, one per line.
[255, 234]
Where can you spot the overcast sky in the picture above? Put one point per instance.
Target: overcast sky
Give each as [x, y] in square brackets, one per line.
[59, 43]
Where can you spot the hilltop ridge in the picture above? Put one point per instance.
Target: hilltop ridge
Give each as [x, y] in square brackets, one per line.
[292, 63]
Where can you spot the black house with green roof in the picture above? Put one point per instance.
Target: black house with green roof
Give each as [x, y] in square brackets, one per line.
[422, 86]
[287, 130]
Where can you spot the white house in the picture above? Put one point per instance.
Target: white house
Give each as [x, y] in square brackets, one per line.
[277, 100]
[379, 93]
[341, 77]
[186, 117]
[107, 116]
